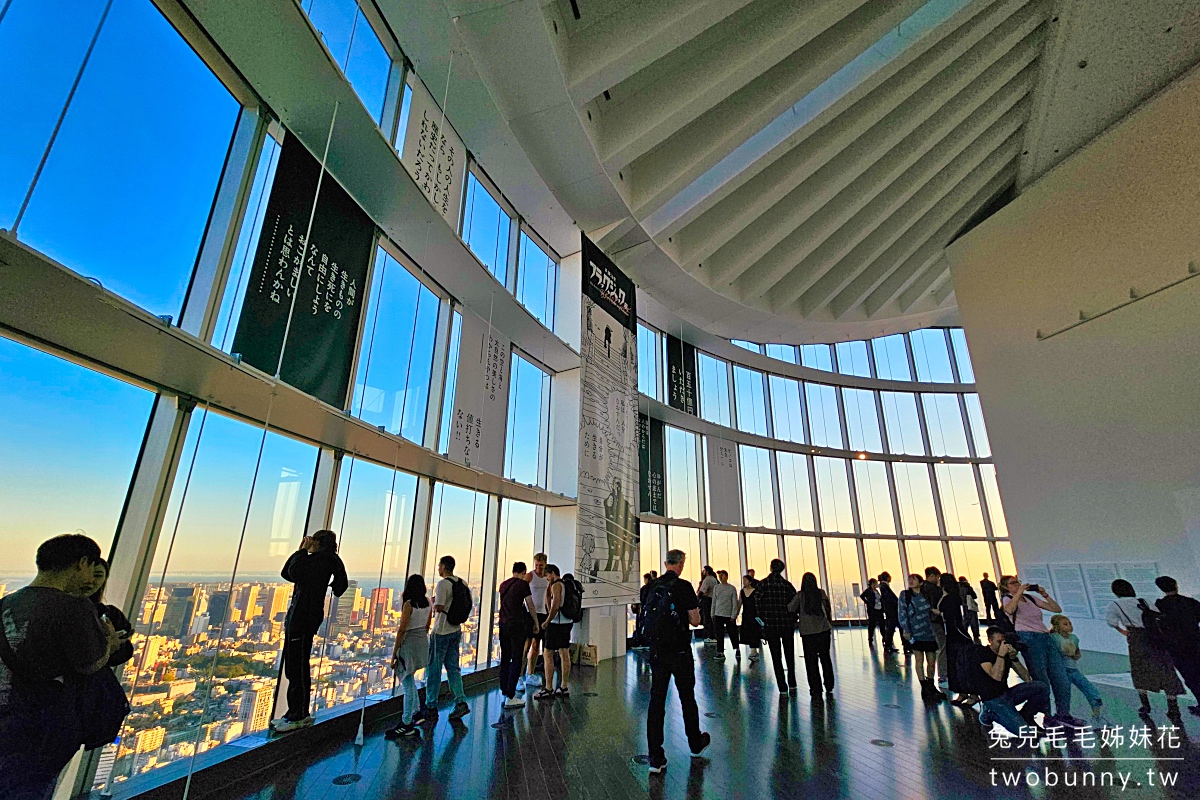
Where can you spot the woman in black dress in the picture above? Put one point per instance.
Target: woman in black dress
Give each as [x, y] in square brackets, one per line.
[750, 633]
[953, 615]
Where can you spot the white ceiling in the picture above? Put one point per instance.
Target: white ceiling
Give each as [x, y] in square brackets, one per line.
[785, 171]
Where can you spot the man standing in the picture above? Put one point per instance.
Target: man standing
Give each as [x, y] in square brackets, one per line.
[448, 605]
[932, 591]
[779, 625]
[533, 648]
[1181, 623]
[673, 609]
[991, 606]
[725, 605]
[312, 568]
[557, 638]
[971, 606]
[517, 619]
[874, 600]
[54, 639]
[890, 611]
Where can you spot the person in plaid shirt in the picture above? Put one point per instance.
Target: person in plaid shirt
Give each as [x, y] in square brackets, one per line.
[774, 593]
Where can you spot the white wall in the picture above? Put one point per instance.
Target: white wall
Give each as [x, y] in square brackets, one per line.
[1096, 431]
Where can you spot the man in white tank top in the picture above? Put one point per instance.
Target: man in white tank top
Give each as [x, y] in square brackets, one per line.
[537, 586]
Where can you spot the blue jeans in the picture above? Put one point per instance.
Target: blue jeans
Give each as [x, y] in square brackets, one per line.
[443, 651]
[411, 698]
[1003, 709]
[1045, 663]
[1089, 689]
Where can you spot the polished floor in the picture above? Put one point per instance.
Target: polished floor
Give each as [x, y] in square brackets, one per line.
[874, 738]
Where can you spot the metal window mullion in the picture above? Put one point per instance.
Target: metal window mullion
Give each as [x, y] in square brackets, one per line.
[954, 371]
[438, 373]
[731, 394]
[487, 587]
[984, 508]
[544, 431]
[894, 496]
[514, 252]
[422, 523]
[393, 98]
[912, 360]
[943, 531]
[972, 451]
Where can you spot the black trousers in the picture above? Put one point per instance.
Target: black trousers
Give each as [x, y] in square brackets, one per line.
[972, 620]
[817, 659]
[512, 655]
[706, 617]
[991, 606]
[664, 667]
[874, 622]
[1187, 662]
[723, 625]
[297, 647]
[787, 642]
[889, 630]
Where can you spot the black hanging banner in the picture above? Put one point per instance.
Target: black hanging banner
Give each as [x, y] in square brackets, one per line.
[328, 284]
[608, 286]
[650, 456]
[681, 375]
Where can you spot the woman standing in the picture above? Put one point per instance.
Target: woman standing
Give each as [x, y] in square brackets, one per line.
[751, 631]
[411, 652]
[952, 612]
[708, 580]
[816, 633]
[124, 629]
[1024, 606]
[918, 632]
[1150, 664]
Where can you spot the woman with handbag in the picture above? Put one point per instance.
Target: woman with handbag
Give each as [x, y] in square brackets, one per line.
[917, 630]
[1150, 664]
[411, 652]
[815, 622]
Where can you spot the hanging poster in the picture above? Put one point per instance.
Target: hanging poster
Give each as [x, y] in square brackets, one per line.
[1069, 590]
[650, 455]
[607, 546]
[433, 154]
[1099, 578]
[1141, 574]
[681, 375]
[320, 286]
[477, 424]
[724, 481]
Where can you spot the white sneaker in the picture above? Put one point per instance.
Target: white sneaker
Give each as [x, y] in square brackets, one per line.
[514, 702]
[521, 684]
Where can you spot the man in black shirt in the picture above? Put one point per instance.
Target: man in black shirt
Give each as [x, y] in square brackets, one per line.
[874, 600]
[932, 591]
[890, 611]
[991, 605]
[312, 568]
[671, 657]
[1181, 621]
[1000, 700]
[774, 593]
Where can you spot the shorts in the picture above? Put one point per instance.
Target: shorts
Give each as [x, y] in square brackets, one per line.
[558, 636]
[537, 637]
[922, 646]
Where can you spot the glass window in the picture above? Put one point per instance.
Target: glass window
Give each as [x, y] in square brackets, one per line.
[450, 384]
[852, 359]
[874, 499]
[962, 358]
[373, 513]
[914, 493]
[457, 527]
[761, 548]
[687, 540]
[758, 499]
[355, 48]
[862, 420]
[1004, 554]
[485, 229]
[823, 415]
[71, 438]
[751, 346]
[786, 412]
[845, 577]
[983, 448]
[537, 281]
[648, 380]
[683, 485]
[972, 559]
[215, 600]
[924, 553]
[902, 423]
[125, 194]
[528, 423]
[783, 352]
[891, 358]
[931, 356]
[991, 492]
[883, 555]
[800, 555]
[402, 123]
[960, 499]
[518, 524]
[714, 389]
[817, 356]
[795, 498]
[723, 554]
[396, 362]
[650, 547]
[833, 495]
[751, 400]
[947, 437]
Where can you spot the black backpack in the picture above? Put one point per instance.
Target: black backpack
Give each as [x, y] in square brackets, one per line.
[660, 619]
[572, 604]
[1155, 624]
[460, 603]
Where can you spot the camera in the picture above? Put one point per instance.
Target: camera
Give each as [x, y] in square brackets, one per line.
[1013, 640]
[1033, 587]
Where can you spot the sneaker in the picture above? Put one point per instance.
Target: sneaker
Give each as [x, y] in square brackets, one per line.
[783, 691]
[403, 731]
[705, 739]
[424, 715]
[461, 709]
[521, 684]
[514, 702]
[719, 656]
[657, 766]
[286, 725]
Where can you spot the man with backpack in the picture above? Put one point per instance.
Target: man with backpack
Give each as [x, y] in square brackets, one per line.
[1180, 622]
[564, 607]
[670, 611]
[452, 605]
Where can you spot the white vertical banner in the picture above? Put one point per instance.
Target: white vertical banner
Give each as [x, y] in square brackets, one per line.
[433, 154]
[477, 426]
[724, 481]
[607, 544]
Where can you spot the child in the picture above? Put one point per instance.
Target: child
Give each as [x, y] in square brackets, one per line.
[1061, 630]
